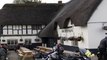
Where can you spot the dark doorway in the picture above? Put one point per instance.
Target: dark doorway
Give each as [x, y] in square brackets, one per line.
[12, 43]
[50, 42]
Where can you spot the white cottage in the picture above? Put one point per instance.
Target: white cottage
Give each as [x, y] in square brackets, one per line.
[84, 18]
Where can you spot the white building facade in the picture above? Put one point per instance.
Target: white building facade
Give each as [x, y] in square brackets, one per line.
[21, 34]
[93, 33]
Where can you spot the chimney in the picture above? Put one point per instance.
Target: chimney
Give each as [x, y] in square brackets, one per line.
[59, 2]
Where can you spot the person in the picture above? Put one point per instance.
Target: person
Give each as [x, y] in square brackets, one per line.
[17, 47]
[38, 54]
[57, 53]
[102, 54]
[2, 53]
[5, 48]
[87, 54]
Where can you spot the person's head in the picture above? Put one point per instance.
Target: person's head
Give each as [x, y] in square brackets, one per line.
[58, 48]
[0, 46]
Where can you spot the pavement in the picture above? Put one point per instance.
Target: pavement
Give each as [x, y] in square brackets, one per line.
[12, 55]
[94, 58]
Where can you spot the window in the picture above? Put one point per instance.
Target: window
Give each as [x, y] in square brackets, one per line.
[33, 27]
[5, 27]
[15, 32]
[8, 42]
[5, 32]
[29, 26]
[14, 27]
[17, 27]
[20, 31]
[24, 27]
[24, 31]
[68, 23]
[43, 26]
[20, 27]
[29, 31]
[3, 40]
[37, 40]
[9, 31]
[34, 32]
[9, 26]
[21, 40]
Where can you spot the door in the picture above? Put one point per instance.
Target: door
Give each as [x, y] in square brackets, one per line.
[12, 43]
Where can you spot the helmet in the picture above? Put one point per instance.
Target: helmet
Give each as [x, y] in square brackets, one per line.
[58, 48]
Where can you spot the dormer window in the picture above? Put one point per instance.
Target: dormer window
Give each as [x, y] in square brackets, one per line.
[68, 23]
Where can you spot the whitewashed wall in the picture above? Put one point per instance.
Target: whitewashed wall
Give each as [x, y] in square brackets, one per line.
[75, 31]
[84, 43]
[95, 34]
[95, 24]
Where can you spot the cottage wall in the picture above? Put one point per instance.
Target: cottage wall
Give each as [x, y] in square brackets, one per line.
[95, 25]
[84, 43]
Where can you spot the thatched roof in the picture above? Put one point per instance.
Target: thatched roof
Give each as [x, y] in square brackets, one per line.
[78, 11]
[28, 13]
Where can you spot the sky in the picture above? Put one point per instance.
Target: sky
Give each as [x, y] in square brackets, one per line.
[2, 2]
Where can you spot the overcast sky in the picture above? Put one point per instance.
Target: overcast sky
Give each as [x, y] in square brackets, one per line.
[2, 2]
